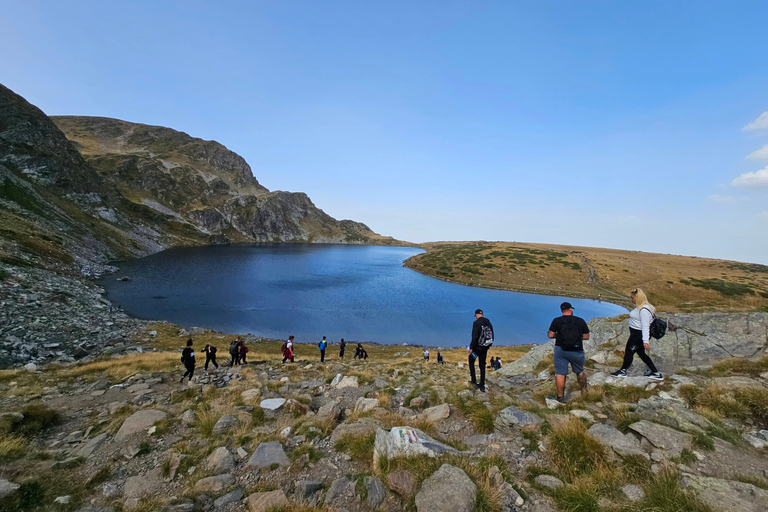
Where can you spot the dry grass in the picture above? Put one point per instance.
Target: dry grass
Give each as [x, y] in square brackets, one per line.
[738, 403]
[12, 447]
[674, 283]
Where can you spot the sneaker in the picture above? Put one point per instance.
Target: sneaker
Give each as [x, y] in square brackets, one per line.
[656, 376]
[620, 373]
[471, 383]
[561, 399]
[482, 389]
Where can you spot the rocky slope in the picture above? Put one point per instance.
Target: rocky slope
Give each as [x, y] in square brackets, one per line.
[393, 435]
[102, 190]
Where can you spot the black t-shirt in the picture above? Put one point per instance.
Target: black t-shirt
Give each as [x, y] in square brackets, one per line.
[578, 326]
[188, 356]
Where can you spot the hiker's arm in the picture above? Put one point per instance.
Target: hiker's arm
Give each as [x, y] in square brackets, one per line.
[551, 334]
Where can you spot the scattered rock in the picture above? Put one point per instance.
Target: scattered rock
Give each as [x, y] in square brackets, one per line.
[510, 498]
[229, 498]
[755, 441]
[366, 404]
[7, 488]
[402, 482]
[361, 427]
[376, 492]
[406, 442]
[91, 446]
[272, 404]
[549, 481]
[264, 501]
[417, 402]
[738, 496]
[267, 454]
[672, 413]
[341, 489]
[437, 413]
[249, 395]
[306, 488]
[188, 417]
[633, 492]
[664, 438]
[514, 417]
[583, 414]
[138, 422]
[331, 410]
[225, 424]
[220, 460]
[215, 483]
[449, 489]
[613, 439]
[63, 500]
[349, 381]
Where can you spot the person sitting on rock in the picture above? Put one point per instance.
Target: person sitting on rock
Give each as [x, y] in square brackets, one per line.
[360, 353]
[210, 357]
[188, 359]
[440, 358]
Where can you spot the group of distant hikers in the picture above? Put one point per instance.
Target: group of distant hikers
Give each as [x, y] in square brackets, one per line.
[568, 330]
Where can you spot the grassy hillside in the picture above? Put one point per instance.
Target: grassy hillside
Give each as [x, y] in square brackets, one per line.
[673, 283]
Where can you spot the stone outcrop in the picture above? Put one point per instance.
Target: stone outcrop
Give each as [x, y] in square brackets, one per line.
[449, 489]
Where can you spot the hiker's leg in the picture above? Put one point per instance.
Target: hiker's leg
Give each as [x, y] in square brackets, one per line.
[471, 362]
[629, 352]
[646, 358]
[213, 360]
[560, 385]
[582, 380]
[481, 361]
[577, 365]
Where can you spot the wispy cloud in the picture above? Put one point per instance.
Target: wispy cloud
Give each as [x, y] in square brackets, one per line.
[717, 198]
[760, 154]
[761, 123]
[757, 179]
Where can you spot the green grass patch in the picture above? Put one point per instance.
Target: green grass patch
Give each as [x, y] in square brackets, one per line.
[360, 448]
[573, 452]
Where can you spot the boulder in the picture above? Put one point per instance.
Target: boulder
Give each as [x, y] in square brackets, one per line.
[403, 483]
[549, 481]
[406, 442]
[449, 489]
[215, 483]
[231, 497]
[330, 411]
[437, 413]
[417, 402]
[350, 381]
[225, 424]
[376, 492]
[341, 490]
[272, 404]
[139, 486]
[220, 460]
[306, 488]
[361, 427]
[739, 497]
[7, 488]
[582, 414]
[613, 439]
[264, 501]
[91, 446]
[366, 404]
[139, 422]
[672, 413]
[514, 417]
[668, 440]
[188, 417]
[249, 395]
[267, 454]
[510, 498]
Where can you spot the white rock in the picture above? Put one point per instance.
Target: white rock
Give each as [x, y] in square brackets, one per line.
[286, 432]
[543, 375]
[584, 414]
[272, 404]
[62, 500]
[30, 366]
[366, 404]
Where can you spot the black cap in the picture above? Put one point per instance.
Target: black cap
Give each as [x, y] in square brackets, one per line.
[478, 311]
[565, 305]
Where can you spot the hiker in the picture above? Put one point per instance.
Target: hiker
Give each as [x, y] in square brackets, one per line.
[342, 346]
[640, 320]
[569, 332]
[493, 363]
[322, 346]
[482, 339]
[287, 349]
[440, 358]
[188, 358]
[234, 351]
[426, 355]
[210, 357]
[360, 352]
[498, 363]
[243, 350]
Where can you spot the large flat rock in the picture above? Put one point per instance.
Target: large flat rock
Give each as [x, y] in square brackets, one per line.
[449, 489]
[139, 421]
[732, 496]
[612, 438]
[267, 454]
[407, 442]
[668, 440]
[514, 417]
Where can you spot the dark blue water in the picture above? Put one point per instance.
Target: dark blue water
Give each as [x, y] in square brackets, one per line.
[360, 293]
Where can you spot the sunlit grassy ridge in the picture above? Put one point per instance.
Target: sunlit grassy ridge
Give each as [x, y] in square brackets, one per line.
[673, 283]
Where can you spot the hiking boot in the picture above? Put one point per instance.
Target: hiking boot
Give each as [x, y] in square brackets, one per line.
[656, 376]
[620, 373]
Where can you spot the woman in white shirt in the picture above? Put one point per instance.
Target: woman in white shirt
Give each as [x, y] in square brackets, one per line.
[640, 320]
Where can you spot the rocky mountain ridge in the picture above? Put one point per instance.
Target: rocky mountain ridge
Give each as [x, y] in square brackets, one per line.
[79, 192]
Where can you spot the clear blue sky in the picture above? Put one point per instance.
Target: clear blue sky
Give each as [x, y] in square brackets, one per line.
[631, 124]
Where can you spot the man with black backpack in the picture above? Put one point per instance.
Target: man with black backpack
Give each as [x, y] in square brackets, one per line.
[188, 359]
[482, 339]
[569, 332]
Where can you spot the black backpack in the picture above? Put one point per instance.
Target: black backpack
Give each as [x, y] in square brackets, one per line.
[570, 334]
[486, 336]
[658, 327]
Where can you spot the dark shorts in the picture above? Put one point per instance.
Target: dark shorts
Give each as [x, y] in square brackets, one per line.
[565, 357]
